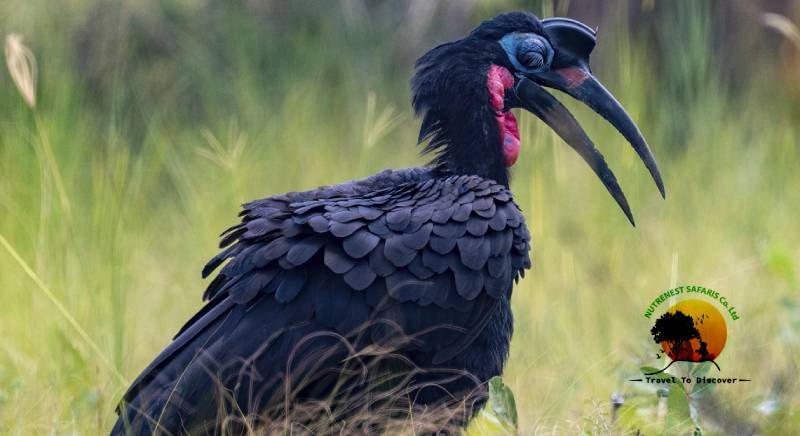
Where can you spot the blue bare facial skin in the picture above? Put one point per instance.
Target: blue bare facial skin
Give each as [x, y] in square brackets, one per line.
[528, 52]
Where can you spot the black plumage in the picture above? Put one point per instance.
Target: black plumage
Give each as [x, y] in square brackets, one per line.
[407, 272]
[360, 270]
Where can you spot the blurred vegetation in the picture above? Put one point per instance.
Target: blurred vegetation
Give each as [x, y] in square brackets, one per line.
[155, 119]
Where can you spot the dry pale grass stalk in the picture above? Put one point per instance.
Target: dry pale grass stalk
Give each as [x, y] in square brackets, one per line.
[22, 67]
[782, 25]
[372, 389]
[377, 125]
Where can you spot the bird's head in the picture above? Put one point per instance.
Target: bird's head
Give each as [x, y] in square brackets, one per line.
[464, 91]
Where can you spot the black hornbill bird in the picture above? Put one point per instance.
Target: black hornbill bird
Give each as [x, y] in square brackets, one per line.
[417, 264]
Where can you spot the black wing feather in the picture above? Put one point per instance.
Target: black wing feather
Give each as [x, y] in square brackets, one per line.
[406, 246]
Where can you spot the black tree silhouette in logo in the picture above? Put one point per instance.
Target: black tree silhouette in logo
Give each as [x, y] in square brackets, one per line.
[677, 329]
[703, 351]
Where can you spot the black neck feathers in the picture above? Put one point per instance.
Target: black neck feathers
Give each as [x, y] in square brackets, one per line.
[450, 94]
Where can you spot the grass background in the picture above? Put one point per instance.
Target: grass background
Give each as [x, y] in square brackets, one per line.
[163, 116]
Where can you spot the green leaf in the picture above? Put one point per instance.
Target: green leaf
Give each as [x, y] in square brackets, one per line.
[502, 400]
[702, 388]
[700, 369]
[499, 415]
[679, 419]
[660, 375]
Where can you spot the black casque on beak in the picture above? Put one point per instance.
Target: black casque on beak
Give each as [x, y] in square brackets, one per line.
[572, 42]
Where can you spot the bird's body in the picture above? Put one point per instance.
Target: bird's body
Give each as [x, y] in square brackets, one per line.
[419, 264]
[391, 293]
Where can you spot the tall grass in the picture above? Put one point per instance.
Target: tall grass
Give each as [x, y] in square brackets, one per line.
[153, 169]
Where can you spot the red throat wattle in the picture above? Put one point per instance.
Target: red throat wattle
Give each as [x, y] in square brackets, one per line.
[498, 79]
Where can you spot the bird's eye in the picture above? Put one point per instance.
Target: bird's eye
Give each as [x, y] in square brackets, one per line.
[533, 54]
[528, 52]
[533, 60]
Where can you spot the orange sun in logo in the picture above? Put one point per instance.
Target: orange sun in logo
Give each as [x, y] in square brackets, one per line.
[691, 330]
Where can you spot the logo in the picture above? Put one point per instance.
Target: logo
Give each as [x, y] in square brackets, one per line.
[692, 329]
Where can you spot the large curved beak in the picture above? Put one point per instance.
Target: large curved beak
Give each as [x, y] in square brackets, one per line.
[572, 42]
[533, 98]
[579, 83]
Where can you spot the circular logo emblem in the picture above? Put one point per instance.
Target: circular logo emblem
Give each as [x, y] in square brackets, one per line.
[691, 331]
